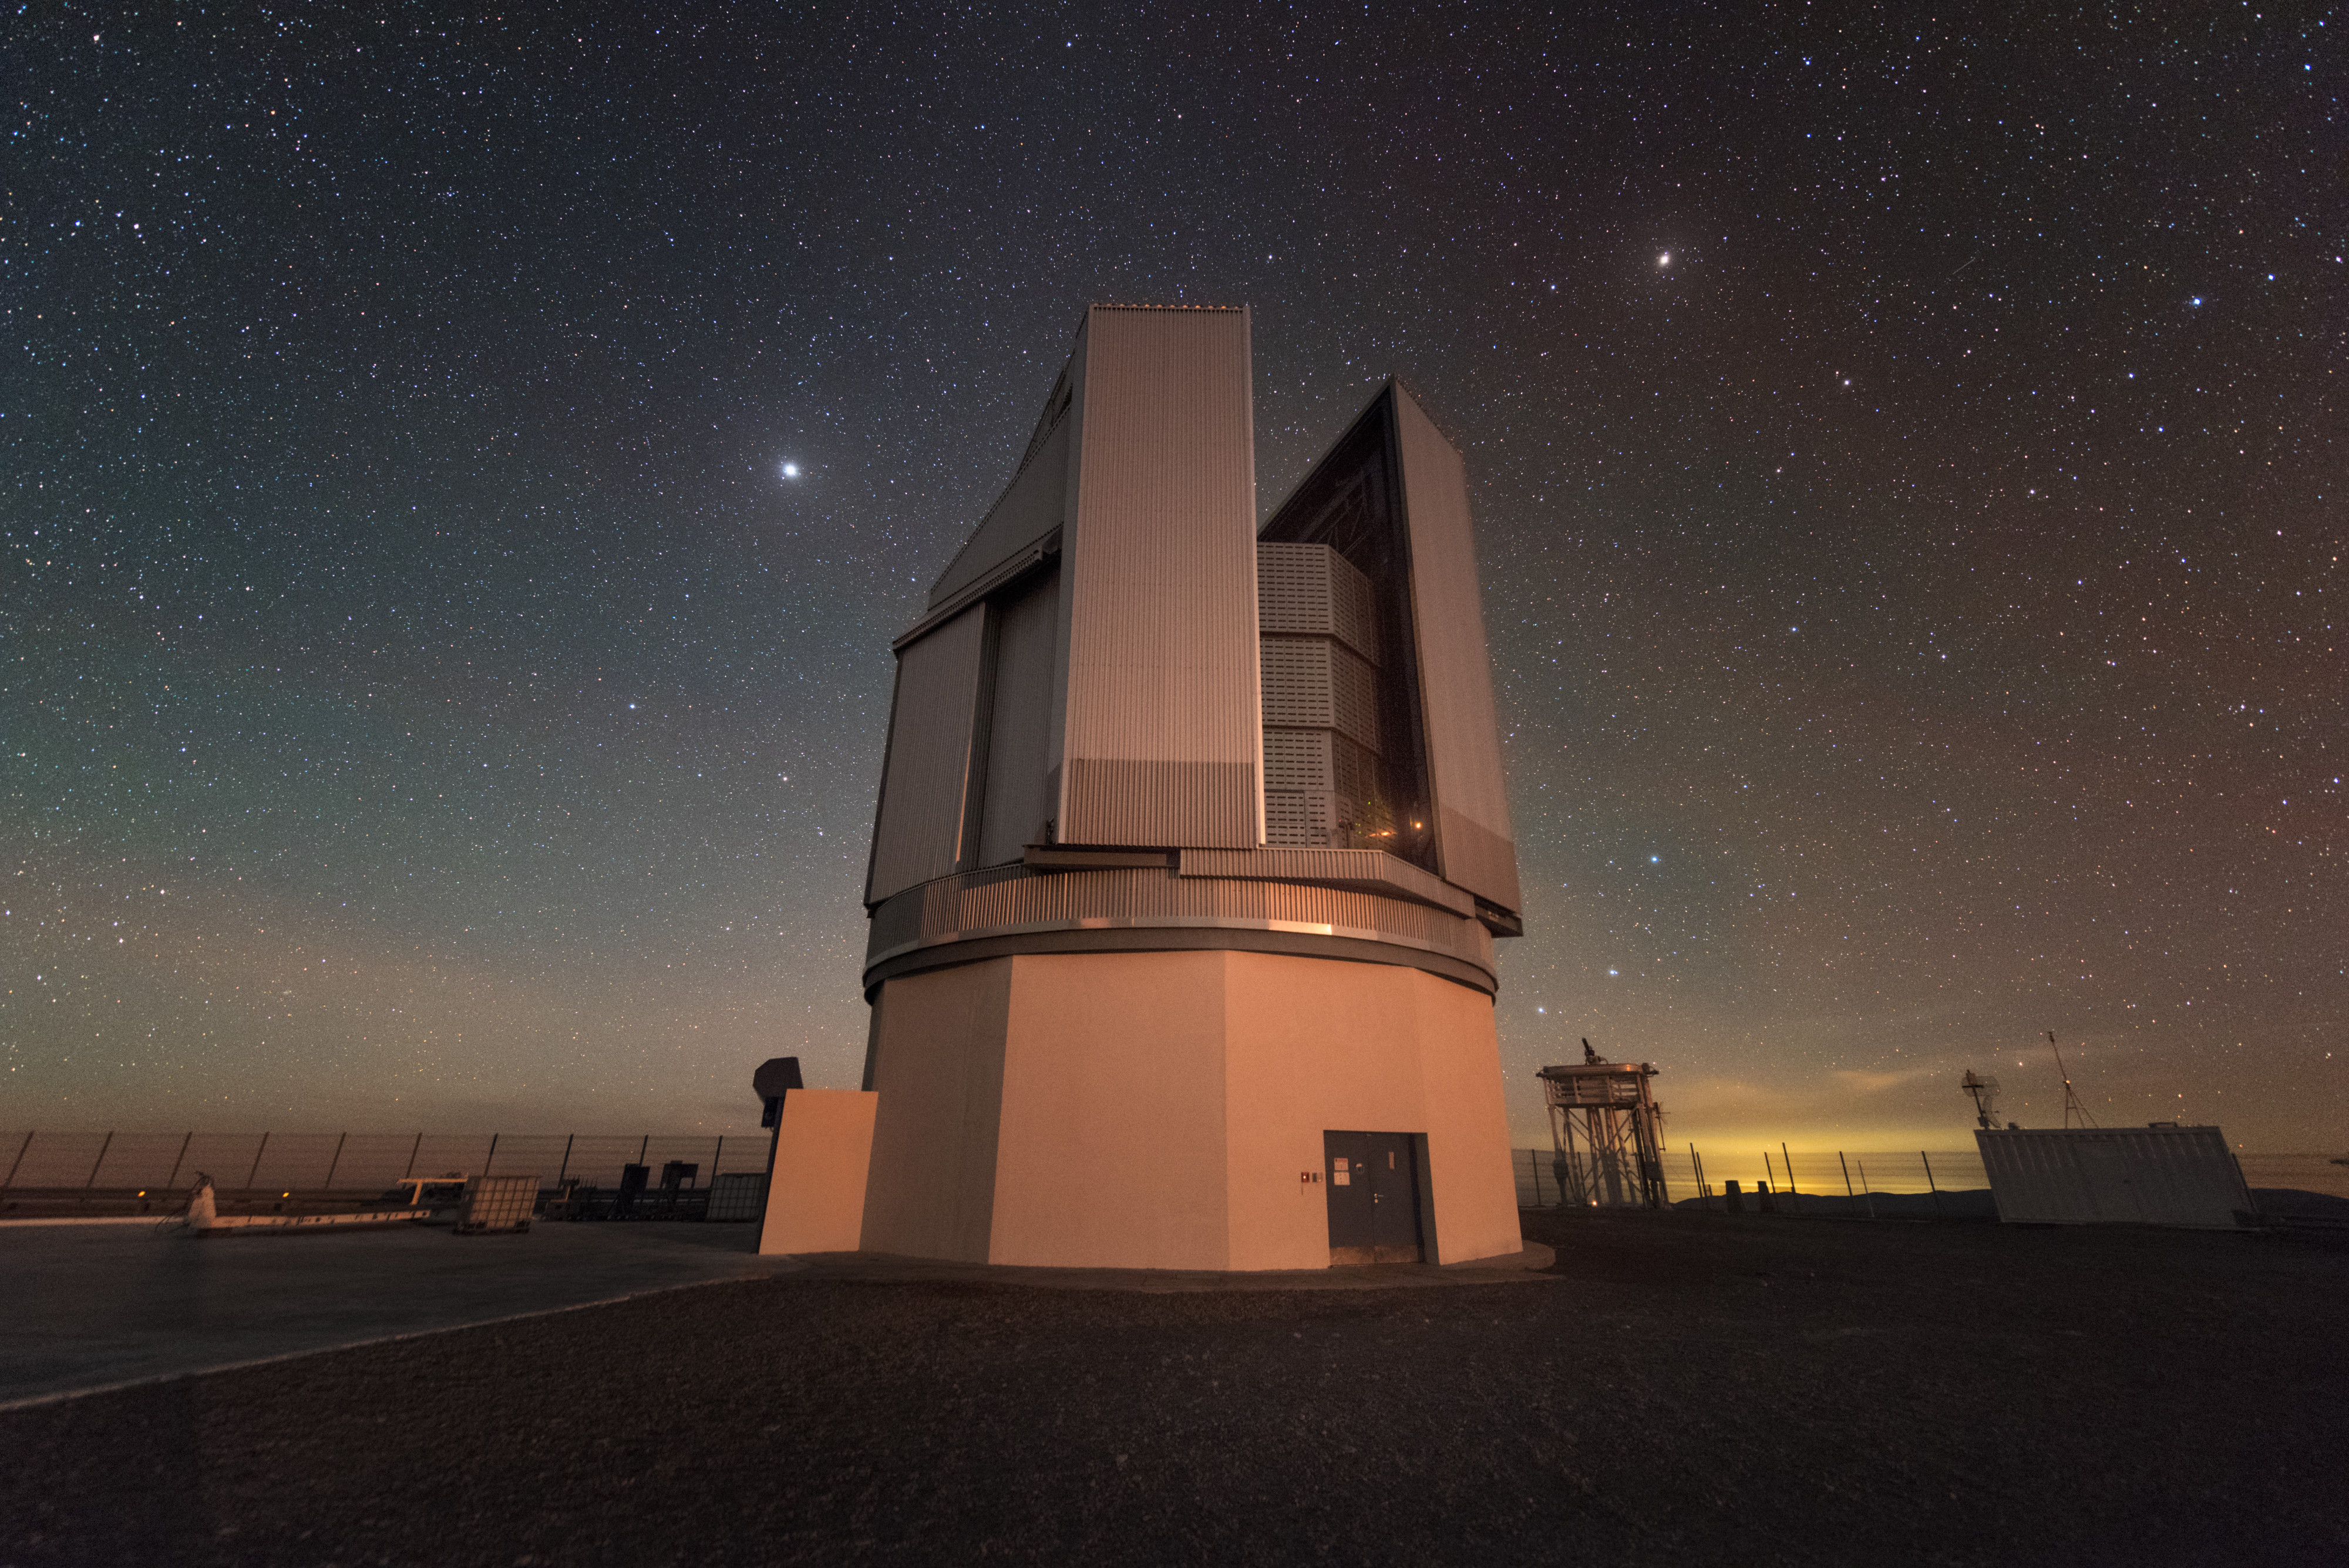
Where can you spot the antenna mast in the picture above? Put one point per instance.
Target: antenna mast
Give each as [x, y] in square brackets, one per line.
[1983, 1092]
[2072, 1105]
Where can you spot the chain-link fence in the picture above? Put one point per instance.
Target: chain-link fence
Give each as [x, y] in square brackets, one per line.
[114, 1163]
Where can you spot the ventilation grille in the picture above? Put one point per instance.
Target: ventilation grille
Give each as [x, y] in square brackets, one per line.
[1310, 590]
[1309, 683]
[1300, 819]
[1319, 760]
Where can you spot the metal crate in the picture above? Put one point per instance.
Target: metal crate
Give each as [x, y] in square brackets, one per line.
[497, 1203]
[738, 1195]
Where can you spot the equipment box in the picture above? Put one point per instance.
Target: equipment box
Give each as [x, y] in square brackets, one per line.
[497, 1203]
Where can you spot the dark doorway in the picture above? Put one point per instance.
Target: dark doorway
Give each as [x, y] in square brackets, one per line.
[1372, 1179]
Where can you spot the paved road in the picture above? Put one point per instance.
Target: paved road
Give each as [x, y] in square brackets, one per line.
[94, 1306]
[1686, 1390]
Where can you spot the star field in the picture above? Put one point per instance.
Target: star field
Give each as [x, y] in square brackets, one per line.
[1907, 456]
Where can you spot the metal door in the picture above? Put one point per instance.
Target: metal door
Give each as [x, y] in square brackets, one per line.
[1372, 1179]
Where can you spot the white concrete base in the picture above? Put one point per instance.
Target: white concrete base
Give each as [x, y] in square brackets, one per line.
[815, 1195]
[1164, 1110]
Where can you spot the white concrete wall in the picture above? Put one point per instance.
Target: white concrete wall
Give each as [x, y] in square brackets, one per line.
[1157, 1110]
[815, 1195]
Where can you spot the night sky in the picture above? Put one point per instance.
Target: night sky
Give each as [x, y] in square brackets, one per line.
[1908, 455]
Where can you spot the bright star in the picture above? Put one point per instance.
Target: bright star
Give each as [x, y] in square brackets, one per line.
[790, 471]
[1665, 259]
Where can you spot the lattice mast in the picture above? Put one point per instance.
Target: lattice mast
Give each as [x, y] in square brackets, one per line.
[1607, 1132]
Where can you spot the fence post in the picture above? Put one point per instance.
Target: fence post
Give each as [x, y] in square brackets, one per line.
[95, 1164]
[718, 1157]
[1929, 1182]
[19, 1160]
[569, 1138]
[256, 1162]
[642, 1147]
[179, 1162]
[1864, 1192]
[490, 1159]
[1847, 1192]
[1791, 1190]
[336, 1164]
[413, 1150]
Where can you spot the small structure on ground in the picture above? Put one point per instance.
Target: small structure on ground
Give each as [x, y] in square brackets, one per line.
[2163, 1174]
[1607, 1133]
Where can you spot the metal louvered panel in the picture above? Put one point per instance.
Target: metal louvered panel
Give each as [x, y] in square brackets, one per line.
[1162, 744]
[1292, 590]
[918, 833]
[1302, 819]
[1310, 590]
[1298, 759]
[1463, 747]
[1314, 682]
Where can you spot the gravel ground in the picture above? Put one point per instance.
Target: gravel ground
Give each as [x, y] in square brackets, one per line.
[1689, 1388]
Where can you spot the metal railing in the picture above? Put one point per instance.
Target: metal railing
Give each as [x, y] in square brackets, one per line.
[111, 1164]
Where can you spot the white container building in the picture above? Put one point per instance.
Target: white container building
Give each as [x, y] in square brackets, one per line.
[2158, 1174]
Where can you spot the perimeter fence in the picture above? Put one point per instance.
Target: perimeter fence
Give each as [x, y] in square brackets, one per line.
[116, 1164]
[1853, 1174]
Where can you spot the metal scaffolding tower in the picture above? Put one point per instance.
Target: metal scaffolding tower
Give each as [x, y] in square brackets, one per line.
[1608, 1132]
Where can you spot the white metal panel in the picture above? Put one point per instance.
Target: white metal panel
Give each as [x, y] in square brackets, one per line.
[1162, 742]
[2087, 1176]
[1020, 723]
[919, 831]
[1474, 843]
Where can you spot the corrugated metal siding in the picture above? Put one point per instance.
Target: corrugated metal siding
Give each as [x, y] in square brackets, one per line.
[1011, 899]
[1030, 507]
[1476, 846]
[1160, 550]
[1020, 720]
[2087, 1176]
[1364, 866]
[918, 832]
[1160, 805]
